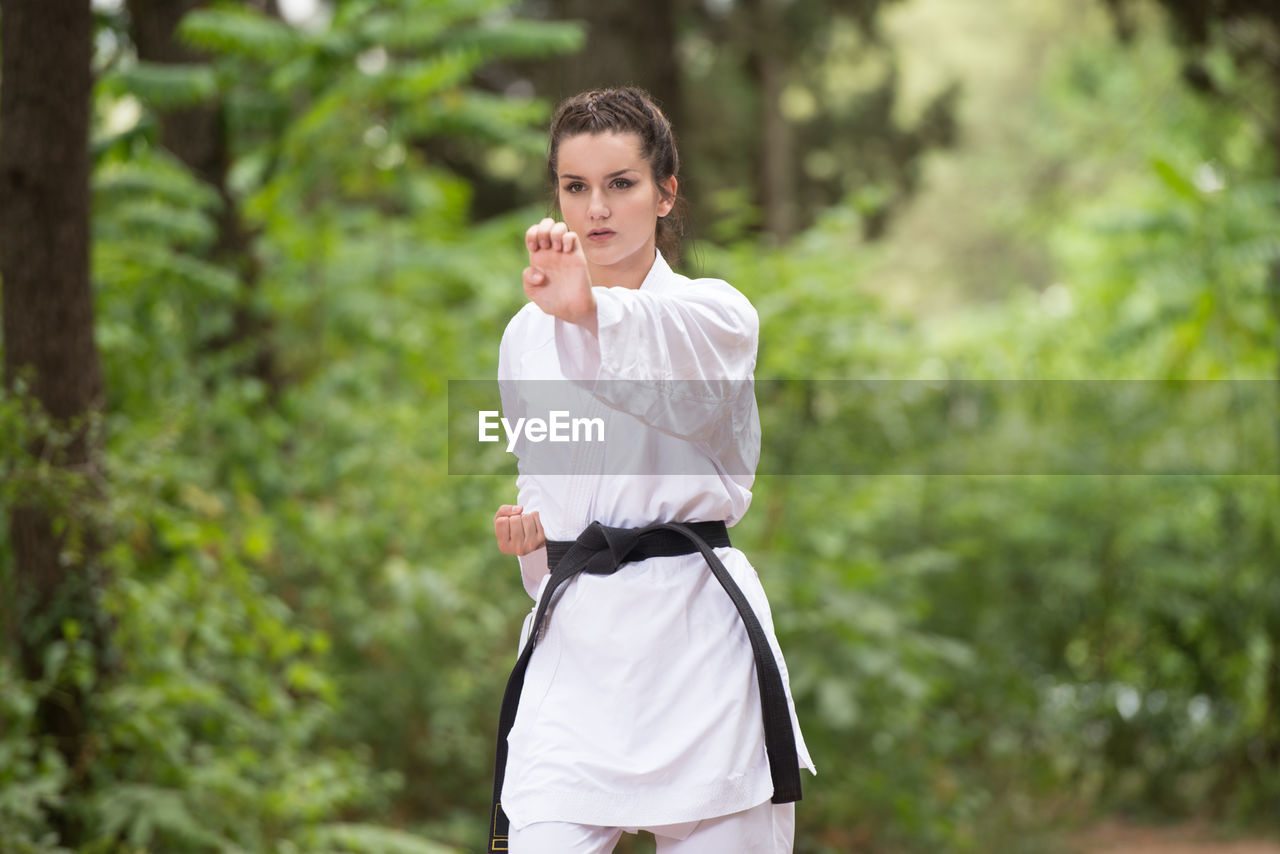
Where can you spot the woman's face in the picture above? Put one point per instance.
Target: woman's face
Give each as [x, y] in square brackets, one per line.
[607, 196]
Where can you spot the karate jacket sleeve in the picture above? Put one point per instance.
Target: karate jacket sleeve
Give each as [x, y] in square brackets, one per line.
[533, 566]
[679, 358]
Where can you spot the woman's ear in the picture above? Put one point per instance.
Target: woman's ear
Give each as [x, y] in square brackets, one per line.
[668, 193]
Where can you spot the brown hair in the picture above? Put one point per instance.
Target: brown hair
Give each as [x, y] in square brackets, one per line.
[626, 110]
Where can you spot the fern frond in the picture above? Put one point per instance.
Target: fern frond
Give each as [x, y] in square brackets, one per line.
[155, 175]
[165, 86]
[140, 813]
[133, 261]
[521, 38]
[163, 223]
[418, 80]
[239, 32]
[486, 117]
[398, 32]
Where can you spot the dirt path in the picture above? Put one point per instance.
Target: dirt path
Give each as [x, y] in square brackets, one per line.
[1118, 838]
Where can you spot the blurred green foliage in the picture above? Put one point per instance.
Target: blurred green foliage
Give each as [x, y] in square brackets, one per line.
[312, 626]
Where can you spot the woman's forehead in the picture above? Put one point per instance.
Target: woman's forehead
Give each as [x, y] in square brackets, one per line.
[588, 154]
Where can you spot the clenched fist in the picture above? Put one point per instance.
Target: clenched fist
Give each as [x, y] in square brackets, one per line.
[518, 533]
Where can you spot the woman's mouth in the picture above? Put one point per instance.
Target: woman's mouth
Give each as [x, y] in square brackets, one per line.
[597, 235]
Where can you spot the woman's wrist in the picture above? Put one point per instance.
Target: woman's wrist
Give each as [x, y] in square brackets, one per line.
[582, 313]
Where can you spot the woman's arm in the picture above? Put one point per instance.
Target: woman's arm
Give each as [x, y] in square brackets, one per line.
[680, 359]
[517, 532]
[701, 333]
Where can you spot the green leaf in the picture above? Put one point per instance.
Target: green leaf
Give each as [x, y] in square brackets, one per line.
[403, 32]
[158, 175]
[238, 32]
[164, 223]
[128, 260]
[164, 86]
[480, 115]
[144, 812]
[1173, 179]
[416, 81]
[520, 38]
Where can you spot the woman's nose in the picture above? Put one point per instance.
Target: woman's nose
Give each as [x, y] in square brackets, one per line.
[597, 209]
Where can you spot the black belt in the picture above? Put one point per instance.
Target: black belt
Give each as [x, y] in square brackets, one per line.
[601, 550]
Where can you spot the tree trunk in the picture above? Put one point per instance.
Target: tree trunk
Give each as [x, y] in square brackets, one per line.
[47, 311]
[628, 44]
[198, 137]
[776, 158]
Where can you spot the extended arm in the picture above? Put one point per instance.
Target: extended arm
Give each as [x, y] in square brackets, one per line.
[679, 358]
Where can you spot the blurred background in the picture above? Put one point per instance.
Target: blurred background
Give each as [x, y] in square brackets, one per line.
[248, 608]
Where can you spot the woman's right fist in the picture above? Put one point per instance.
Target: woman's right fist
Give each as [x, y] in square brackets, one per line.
[518, 533]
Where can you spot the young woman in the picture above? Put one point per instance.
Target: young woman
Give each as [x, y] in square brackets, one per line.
[650, 693]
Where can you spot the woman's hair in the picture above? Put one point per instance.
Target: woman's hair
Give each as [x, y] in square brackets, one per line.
[625, 110]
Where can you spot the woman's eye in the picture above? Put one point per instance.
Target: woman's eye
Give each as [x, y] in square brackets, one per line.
[622, 183]
[575, 187]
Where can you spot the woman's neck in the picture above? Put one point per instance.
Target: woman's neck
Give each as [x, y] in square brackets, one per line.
[629, 272]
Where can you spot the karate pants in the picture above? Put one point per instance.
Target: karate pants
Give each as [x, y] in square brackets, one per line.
[767, 828]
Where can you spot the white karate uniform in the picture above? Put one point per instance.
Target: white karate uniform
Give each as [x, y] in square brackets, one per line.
[763, 829]
[640, 707]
